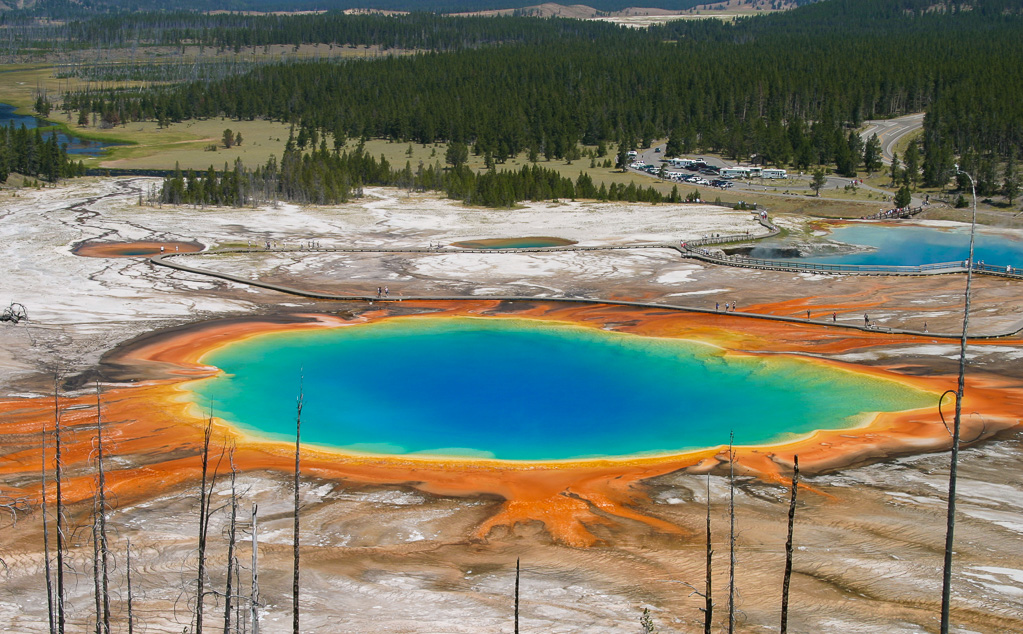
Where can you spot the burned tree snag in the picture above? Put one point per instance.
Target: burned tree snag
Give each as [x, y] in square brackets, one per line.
[788, 548]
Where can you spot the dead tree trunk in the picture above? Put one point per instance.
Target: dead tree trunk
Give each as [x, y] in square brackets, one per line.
[950, 521]
[230, 547]
[254, 596]
[298, 453]
[61, 528]
[731, 534]
[201, 573]
[788, 548]
[516, 595]
[95, 566]
[102, 517]
[239, 622]
[708, 610]
[127, 571]
[46, 535]
[205, 495]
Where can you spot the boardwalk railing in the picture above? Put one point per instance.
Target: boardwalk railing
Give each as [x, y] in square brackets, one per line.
[851, 269]
[772, 230]
[898, 212]
[693, 249]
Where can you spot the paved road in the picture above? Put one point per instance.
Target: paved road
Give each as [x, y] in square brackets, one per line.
[891, 131]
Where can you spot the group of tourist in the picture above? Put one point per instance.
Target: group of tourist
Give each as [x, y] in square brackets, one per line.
[898, 212]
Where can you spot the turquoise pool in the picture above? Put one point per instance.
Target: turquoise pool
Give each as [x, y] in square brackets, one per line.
[516, 389]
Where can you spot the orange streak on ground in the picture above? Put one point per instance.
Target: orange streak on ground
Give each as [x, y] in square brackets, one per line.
[151, 422]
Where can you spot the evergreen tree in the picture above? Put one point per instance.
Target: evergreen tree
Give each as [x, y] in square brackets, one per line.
[457, 154]
[1010, 179]
[912, 160]
[872, 154]
[938, 164]
[855, 146]
[675, 143]
[903, 197]
[987, 177]
[895, 170]
[818, 181]
[622, 160]
[845, 160]
[43, 106]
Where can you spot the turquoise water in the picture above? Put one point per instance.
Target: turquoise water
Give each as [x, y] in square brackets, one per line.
[912, 245]
[526, 390]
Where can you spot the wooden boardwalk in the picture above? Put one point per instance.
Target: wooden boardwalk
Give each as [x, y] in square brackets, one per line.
[691, 250]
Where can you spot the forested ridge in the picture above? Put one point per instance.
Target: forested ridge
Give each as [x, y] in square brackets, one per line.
[782, 89]
[66, 8]
[417, 31]
[779, 86]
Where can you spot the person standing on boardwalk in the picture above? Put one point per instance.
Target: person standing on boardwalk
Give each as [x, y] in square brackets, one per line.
[866, 320]
[834, 317]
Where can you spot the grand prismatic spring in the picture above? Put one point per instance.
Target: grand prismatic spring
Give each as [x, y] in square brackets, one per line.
[445, 439]
[528, 401]
[529, 390]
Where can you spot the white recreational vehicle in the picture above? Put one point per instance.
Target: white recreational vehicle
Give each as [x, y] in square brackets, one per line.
[734, 172]
[752, 172]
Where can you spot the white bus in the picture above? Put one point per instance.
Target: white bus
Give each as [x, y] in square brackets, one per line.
[774, 173]
[734, 172]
